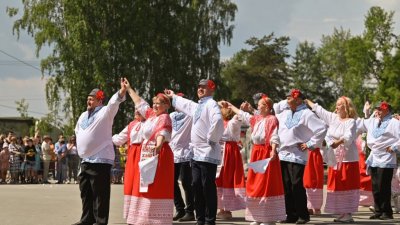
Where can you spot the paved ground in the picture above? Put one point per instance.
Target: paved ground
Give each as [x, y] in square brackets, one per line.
[60, 205]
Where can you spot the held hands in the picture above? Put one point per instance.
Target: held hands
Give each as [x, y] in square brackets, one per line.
[303, 146]
[273, 155]
[389, 150]
[169, 93]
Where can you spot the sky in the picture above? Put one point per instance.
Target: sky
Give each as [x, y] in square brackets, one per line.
[301, 20]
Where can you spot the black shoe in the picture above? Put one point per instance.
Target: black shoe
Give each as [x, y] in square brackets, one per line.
[187, 217]
[375, 217]
[386, 217]
[302, 221]
[288, 221]
[82, 223]
[178, 215]
[199, 223]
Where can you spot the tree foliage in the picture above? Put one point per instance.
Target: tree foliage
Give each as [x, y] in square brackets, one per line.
[307, 75]
[260, 69]
[155, 44]
[22, 107]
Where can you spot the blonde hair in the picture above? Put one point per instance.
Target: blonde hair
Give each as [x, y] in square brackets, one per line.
[349, 107]
[227, 113]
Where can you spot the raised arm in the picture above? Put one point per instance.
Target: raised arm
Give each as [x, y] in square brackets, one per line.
[182, 104]
[322, 113]
[135, 97]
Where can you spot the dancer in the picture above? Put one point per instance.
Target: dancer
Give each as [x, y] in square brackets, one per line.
[231, 189]
[153, 203]
[94, 144]
[132, 135]
[207, 130]
[300, 130]
[343, 191]
[383, 138]
[180, 145]
[265, 203]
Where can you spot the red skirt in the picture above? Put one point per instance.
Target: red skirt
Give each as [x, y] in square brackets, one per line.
[265, 193]
[366, 198]
[230, 183]
[313, 179]
[343, 191]
[156, 206]
[132, 160]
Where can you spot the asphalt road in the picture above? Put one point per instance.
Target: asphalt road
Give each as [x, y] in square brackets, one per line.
[54, 204]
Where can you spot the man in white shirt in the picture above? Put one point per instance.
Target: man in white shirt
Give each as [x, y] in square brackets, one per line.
[207, 130]
[383, 138]
[94, 144]
[300, 130]
[180, 145]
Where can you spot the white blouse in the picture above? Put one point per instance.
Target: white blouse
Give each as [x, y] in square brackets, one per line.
[258, 132]
[136, 136]
[339, 129]
[232, 130]
[151, 123]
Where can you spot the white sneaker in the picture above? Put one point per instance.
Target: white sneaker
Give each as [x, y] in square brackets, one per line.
[254, 223]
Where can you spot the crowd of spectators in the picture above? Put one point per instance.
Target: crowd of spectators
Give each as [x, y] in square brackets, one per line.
[40, 160]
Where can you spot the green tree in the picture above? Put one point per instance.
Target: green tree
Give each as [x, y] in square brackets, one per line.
[155, 44]
[22, 107]
[383, 55]
[262, 68]
[306, 72]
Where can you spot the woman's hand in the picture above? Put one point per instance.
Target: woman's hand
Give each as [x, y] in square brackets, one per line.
[169, 93]
[156, 149]
[273, 155]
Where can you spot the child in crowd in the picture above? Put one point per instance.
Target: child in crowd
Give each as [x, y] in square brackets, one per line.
[30, 161]
[4, 162]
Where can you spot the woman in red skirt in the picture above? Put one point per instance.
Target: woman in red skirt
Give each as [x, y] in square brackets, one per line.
[231, 189]
[313, 181]
[131, 135]
[265, 203]
[153, 203]
[343, 191]
[366, 198]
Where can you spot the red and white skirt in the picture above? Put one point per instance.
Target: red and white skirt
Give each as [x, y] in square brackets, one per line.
[313, 179]
[231, 189]
[366, 197]
[131, 167]
[265, 193]
[343, 191]
[155, 206]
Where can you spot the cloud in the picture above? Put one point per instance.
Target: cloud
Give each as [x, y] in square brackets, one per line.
[32, 90]
[27, 51]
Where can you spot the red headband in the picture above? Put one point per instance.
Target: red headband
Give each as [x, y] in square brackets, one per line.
[163, 96]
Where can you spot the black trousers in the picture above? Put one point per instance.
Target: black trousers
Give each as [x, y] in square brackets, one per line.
[184, 172]
[94, 184]
[295, 193]
[205, 191]
[382, 190]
